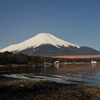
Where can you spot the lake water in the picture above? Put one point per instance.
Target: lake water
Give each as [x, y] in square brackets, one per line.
[67, 74]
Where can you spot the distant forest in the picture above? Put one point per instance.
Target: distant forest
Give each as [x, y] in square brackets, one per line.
[10, 58]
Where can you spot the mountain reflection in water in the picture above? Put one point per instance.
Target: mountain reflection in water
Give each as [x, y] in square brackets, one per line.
[65, 73]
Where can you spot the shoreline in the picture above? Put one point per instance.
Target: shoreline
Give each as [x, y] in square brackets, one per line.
[13, 65]
[22, 89]
[21, 65]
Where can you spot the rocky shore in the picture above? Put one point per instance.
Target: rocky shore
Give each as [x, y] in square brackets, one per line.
[18, 89]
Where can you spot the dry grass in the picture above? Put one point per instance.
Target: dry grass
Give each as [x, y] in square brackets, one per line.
[77, 56]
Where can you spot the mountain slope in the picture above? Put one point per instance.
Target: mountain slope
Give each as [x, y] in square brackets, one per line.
[45, 44]
[50, 50]
[40, 39]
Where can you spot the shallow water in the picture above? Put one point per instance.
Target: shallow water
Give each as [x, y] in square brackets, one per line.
[68, 74]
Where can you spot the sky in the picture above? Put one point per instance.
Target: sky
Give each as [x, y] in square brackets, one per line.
[75, 21]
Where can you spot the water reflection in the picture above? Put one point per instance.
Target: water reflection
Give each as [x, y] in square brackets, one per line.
[93, 64]
[74, 73]
[61, 69]
[57, 66]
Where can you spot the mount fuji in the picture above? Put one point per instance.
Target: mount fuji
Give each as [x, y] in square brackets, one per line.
[45, 44]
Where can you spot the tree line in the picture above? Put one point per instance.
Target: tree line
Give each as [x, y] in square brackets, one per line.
[11, 58]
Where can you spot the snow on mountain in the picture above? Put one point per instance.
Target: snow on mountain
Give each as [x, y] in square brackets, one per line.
[39, 39]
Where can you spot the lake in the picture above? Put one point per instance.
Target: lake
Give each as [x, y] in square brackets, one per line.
[62, 73]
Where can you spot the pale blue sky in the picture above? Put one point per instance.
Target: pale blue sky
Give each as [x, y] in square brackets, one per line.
[75, 21]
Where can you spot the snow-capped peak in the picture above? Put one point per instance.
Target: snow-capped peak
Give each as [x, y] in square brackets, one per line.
[39, 39]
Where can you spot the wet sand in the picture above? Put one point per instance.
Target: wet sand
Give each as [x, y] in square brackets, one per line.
[18, 89]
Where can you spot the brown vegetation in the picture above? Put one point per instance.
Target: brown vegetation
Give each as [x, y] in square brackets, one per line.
[77, 56]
